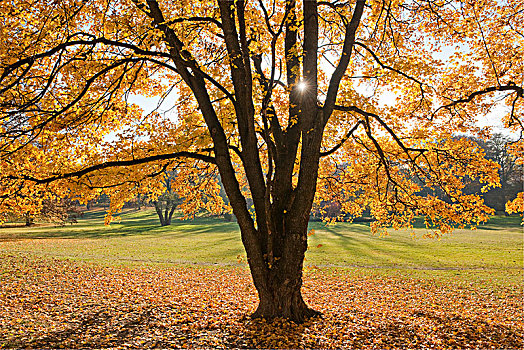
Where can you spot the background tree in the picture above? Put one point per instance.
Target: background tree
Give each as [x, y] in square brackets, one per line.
[275, 95]
[165, 204]
[510, 173]
[59, 210]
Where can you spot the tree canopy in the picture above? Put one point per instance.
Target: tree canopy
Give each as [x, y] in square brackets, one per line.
[290, 102]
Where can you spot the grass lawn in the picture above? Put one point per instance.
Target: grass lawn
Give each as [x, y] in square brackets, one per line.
[136, 284]
[138, 238]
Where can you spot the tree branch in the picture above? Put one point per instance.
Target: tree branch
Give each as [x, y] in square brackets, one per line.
[509, 87]
[117, 163]
[196, 19]
[195, 81]
[342, 141]
[338, 74]
[381, 122]
[32, 59]
[375, 57]
[240, 66]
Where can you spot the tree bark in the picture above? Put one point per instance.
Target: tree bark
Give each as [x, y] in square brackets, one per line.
[283, 299]
[280, 289]
[275, 238]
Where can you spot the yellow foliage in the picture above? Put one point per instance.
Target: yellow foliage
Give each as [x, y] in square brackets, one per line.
[73, 74]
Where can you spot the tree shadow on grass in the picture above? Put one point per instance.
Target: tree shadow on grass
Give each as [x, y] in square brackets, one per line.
[131, 224]
[375, 252]
[75, 232]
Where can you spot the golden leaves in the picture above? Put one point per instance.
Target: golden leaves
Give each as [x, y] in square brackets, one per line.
[50, 303]
[516, 205]
[415, 183]
[435, 55]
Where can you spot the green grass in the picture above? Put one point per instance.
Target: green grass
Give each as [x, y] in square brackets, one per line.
[490, 246]
[493, 249]
[138, 237]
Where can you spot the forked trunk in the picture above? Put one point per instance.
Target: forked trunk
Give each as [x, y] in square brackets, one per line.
[164, 214]
[280, 289]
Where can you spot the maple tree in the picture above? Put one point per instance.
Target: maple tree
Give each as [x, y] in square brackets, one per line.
[285, 100]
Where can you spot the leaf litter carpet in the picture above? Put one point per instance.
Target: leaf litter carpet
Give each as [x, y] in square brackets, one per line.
[50, 303]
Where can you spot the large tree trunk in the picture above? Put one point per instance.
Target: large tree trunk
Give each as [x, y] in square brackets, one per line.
[283, 298]
[279, 290]
[275, 237]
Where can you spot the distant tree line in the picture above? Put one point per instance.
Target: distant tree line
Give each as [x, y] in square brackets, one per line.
[510, 173]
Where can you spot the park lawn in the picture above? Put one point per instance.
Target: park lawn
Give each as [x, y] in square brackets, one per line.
[493, 249]
[136, 284]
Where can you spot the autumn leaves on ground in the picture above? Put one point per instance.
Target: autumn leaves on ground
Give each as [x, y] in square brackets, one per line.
[71, 287]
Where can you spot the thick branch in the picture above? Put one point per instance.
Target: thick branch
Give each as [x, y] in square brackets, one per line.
[196, 83]
[115, 164]
[268, 112]
[308, 104]
[240, 66]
